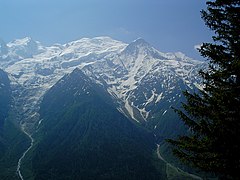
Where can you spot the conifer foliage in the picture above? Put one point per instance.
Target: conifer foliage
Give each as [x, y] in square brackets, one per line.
[213, 114]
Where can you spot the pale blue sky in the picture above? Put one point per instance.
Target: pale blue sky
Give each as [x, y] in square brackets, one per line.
[169, 25]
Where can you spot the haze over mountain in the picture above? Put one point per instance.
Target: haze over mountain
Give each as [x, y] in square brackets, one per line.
[92, 97]
[169, 25]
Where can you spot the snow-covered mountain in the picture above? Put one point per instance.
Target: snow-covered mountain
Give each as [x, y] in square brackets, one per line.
[142, 80]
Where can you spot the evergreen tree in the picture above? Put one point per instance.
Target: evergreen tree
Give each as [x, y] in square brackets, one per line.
[213, 114]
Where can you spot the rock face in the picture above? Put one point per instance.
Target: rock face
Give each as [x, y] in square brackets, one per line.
[143, 81]
[78, 90]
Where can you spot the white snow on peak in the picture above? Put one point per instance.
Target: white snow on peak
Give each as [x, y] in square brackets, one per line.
[134, 72]
[20, 42]
[96, 45]
[140, 41]
[23, 48]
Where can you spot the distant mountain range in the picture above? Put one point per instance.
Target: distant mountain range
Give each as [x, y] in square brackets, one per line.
[98, 105]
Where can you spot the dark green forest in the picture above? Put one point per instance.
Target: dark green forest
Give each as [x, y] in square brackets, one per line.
[83, 136]
[12, 140]
[212, 114]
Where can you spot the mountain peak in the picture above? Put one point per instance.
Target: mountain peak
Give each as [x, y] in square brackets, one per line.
[137, 46]
[3, 47]
[24, 41]
[25, 47]
[140, 42]
[103, 38]
[96, 40]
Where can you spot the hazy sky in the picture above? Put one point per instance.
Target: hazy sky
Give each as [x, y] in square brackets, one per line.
[169, 25]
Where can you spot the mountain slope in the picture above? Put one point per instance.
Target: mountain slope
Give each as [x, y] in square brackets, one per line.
[144, 81]
[137, 82]
[81, 127]
[5, 97]
[12, 140]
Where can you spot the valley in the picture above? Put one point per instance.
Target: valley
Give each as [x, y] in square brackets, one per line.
[24, 154]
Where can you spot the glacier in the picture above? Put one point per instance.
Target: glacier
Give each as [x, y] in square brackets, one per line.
[136, 75]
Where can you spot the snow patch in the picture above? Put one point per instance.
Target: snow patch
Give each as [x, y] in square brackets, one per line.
[164, 112]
